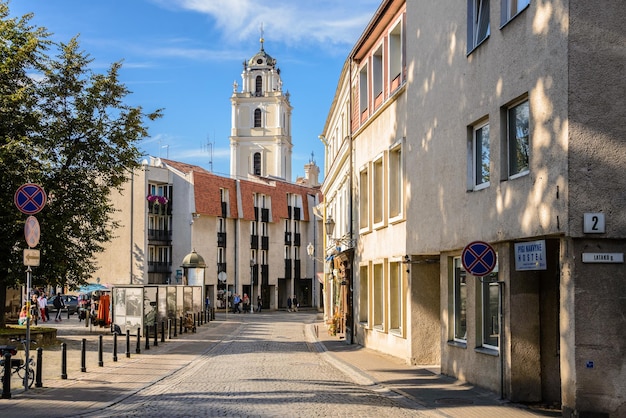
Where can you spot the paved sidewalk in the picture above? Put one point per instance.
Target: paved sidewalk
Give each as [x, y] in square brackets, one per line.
[437, 393]
[85, 392]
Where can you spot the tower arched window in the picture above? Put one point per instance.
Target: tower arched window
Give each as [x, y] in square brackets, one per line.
[257, 163]
[258, 89]
[257, 118]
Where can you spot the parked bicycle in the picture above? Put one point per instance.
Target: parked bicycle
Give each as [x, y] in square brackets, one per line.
[18, 365]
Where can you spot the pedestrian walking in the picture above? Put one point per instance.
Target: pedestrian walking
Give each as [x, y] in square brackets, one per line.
[34, 309]
[294, 301]
[236, 302]
[58, 304]
[289, 304]
[246, 303]
[259, 303]
[42, 302]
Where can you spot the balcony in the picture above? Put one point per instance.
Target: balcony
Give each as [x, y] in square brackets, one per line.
[254, 242]
[159, 235]
[296, 269]
[297, 239]
[265, 215]
[221, 239]
[265, 243]
[287, 268]
[297, 214]
[289, 210]
[287, 238]
[159, 266]
[224, 210]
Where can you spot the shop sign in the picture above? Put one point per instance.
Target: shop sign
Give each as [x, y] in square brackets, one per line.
[530, 255]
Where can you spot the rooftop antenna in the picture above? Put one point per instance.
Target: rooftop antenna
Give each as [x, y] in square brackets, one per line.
[208, 147]
[312, 160]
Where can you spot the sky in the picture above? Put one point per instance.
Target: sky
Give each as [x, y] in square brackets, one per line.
[184, 56]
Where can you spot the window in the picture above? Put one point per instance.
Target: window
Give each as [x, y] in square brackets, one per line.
[378, 296]
[377, 77]
[258, 88]
[257, 118]
[395, 297]
[477, 23]
[518, 138]
[480, 156]
[396, 56]
[363, 97]
[378, 197]
[257, 164]
[459, 301]
[511, 8]
[396, 174]
[363, 295]
[490, 301]
[364, 199]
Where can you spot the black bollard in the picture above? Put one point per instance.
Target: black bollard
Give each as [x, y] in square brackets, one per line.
[83, 353]
[175, 327]
[181, 326]
[115, 346]
[6, 383]
[169, 329]
[100, 347]
[147, 346]
[38, 382]
[200, 318]
[127, 343]
[162, 331]
[63, 361]
[156, 335]
[138, 349]
[195, 322]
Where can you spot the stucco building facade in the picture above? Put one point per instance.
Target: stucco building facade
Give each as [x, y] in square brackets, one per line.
[496, 122]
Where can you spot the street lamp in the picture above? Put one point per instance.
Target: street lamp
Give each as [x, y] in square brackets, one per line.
[330, 226]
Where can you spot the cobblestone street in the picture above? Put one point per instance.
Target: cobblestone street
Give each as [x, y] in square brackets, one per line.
[267, 367]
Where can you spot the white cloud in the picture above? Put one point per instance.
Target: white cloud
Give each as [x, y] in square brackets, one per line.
[319, 22]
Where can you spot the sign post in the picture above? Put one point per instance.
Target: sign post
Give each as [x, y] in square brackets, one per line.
[30, 199]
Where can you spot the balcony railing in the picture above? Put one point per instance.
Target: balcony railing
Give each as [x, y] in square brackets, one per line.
[159, 266]
[254, 242]
[296, 214]
[265, 243]
[296, 239]
[287, 238]
[265, 215]
[287, 268]
[221, 239]
[159, 235]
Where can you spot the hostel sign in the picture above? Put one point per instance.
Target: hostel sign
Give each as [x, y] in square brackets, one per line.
[530, 255]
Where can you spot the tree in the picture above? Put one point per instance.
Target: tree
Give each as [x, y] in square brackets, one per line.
[68, 130]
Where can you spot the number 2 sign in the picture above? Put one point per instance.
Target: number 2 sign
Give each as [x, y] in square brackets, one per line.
[593, 223]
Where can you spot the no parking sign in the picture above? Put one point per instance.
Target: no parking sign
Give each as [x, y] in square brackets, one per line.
[479, 258]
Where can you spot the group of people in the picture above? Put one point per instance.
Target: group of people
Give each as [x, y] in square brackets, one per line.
[292, 304]
[242, 304]
[39, 308]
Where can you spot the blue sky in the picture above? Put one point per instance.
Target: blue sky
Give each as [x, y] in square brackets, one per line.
[184, 55]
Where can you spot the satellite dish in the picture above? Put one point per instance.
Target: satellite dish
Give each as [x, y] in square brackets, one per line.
[222, 276]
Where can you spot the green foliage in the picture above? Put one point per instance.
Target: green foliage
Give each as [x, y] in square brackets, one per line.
[67, 129]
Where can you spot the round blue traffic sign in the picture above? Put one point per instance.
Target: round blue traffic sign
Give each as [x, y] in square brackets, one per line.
[30, 198]
[479, 258]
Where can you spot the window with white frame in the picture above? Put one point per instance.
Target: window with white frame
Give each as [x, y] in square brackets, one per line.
[480, 158]
[378, 187]
[477, 23]
[363, 199]
[363, 89]
[363, 295]
[396, 182]
[511, 8]
[518, 139]
[395, 297]
[396, 56]
[490, 310]
[257, 118]
[378, 293]
[459, 301]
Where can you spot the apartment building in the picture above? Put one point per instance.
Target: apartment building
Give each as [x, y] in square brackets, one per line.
[494, 122]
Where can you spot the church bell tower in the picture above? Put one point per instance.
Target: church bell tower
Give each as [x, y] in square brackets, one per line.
[260, 139]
